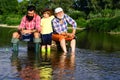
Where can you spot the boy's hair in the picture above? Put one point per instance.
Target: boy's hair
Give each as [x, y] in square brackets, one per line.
[30, 8]
[48, 11]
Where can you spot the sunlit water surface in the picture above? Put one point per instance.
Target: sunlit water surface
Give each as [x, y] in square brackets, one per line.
[84, 65]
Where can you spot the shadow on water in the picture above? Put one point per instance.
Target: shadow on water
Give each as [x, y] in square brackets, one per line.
[90, 62]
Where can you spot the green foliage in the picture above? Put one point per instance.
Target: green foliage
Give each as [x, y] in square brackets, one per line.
[81, 22]
[94, 15]
[41, 4]
[98, 24]
[117, 12]
[8, 6]
[104, 24]
[11, 19]
[107, 13]
[22, 7]
[65, 4]
[3, 18]
[115, 24]
[96, 5]
[0, 18]
[76, 14]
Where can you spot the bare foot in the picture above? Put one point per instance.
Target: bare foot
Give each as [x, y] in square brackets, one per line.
[73, 54]
[64, 53]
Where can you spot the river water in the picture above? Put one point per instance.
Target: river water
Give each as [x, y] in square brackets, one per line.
[97, 57]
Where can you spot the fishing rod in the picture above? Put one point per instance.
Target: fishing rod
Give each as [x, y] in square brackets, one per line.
[77, 32]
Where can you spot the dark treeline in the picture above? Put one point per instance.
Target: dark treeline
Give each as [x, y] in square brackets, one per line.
[96, 5]
[86, 6]
[88, 13]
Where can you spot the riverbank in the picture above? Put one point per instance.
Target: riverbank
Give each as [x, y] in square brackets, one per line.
[5, 25]
[8, 26]
[78, 28]
[114, 32]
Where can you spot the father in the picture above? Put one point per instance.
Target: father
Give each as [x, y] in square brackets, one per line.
[29, 28]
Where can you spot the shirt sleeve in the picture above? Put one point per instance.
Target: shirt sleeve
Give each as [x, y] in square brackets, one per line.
[22, 23]
[52, 17]
[71, 21]
[38, 23]
[55, 26]
[41, 23]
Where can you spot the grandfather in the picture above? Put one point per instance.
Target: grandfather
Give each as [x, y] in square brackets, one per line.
[60, 30]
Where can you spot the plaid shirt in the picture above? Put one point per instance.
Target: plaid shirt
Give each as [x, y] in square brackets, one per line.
[34, 24]
[59, 28]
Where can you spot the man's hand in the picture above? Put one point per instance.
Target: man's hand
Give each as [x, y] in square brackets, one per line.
[26, 31]
[70, 35]
[64, 33]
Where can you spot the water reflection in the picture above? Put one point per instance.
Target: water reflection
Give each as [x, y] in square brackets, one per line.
[98, 41]
[52, 66]
[29, 73]
[32, 67]
[15, 60]
[64, 67]
[45, 67]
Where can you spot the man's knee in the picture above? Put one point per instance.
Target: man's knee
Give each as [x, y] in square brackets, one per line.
[36, 35]
[15, 35]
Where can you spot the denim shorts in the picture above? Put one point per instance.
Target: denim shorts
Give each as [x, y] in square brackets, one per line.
[27, 37]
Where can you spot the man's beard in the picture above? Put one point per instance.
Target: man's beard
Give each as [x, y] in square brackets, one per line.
[60, 17]
[29, 18]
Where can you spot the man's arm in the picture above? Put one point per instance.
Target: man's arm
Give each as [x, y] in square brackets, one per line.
[71, 21]
[22, 23]
[38, 22]
[55, 26]
[74, 31]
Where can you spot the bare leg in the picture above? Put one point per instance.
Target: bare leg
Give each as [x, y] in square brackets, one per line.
[48, 48]
[14, 41]
[72, 45]
[43, 49]
[63, 45]
[48, 51]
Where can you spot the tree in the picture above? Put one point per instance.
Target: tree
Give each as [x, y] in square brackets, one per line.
[42, 4]
[65, 4]
[39, 4]
[22, 7]
[7, 6]
[83, 5]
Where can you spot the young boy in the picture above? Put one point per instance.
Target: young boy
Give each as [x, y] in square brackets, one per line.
[46, 30]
